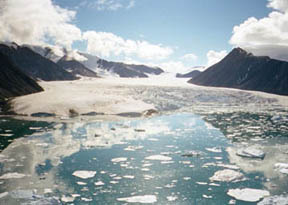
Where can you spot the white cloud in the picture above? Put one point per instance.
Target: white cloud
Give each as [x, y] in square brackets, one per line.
[265, 36]
[190, 56]
[215, 56]
[106, 44]
[281, 5]
[37, 22]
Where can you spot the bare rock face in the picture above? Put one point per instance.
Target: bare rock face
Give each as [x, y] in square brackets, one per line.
[33, 64]
[13, 82]
[240, 69]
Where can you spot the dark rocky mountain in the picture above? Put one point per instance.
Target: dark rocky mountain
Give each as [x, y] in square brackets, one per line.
[98, 65]
[243, 70]
[191, 74]
[14, 82]
[75, 67]
[120, 69]
[33, 64]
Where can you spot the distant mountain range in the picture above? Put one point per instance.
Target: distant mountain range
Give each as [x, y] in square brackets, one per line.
[243, 70]
[98, 65]
[14, 82]
[75, 67]
[191, 74]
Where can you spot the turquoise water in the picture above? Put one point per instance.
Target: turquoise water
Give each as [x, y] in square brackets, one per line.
[131, 158]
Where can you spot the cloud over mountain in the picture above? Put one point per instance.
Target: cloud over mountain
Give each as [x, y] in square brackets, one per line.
[37, 22]
[265, 36]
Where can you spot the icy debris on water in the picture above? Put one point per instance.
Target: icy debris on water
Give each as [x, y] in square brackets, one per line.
[281, 167]
[248, 194]
[119, 159]
[250, 152]
[159, 157]
[12, 175]
[67, 199]
[191, 154]
[99, 183]
[227, 175]
[83, 174]
[172, 198]
[274, 200]
[214, 149]
[145, 199]
[3, 194]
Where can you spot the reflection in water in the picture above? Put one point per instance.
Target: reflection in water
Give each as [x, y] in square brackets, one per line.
[150, 159]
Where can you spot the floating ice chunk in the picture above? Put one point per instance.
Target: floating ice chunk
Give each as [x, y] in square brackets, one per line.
[86, 199]
[133, 148]
[3, 194]
[206, 196]
[227, 175]
[99, 183]
[159, 157]
[274, 200]
[48, 191]
[281, 167]
[114, 182]
[153, 139]
[148, 177]
[191, 154]
[172, 198]
[119, 159]
[145, 199]
[247, 194]
[202, 183]
[214, 149]
[251, 152]
[6, 135]
[84, 174]
[67, 199]
[81, 183]
[167, 162]
[129, 177]
[12, 175]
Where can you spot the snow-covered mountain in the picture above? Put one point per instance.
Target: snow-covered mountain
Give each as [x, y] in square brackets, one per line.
[100, 66]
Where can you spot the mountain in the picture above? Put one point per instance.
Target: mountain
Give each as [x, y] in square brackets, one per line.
[191, 74]
[96, 64]
[33, 64]
[243, 70]
[121, 69]
[75, 67]
[13, 82]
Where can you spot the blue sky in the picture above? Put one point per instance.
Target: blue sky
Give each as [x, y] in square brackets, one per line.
[170, 33]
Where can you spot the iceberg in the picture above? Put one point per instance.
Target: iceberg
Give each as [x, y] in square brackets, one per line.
[227, 175]
[84, 174]
[251, 152]
[247, 194]
[145, 199]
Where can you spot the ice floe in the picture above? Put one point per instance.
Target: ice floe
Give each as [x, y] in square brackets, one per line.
[99, 183]
[191, 154]
[145, 199]
[119, 159]
[129, 177]
[172, 198]
[251, 152]
[274, 200]
[84, 174]
[281, 167]
[248, 194]
[3, 194]
[159, 157]
[214, 149]
[12, 175]
[227, 175]
[67, 199]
